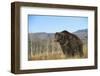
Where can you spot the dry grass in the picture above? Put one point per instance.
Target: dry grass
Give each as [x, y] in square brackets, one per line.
[50, 50]
[49, 56]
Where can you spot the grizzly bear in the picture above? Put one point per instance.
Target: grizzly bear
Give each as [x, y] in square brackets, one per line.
[70, 43]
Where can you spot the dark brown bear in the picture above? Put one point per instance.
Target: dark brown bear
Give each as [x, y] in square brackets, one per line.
[70, 43]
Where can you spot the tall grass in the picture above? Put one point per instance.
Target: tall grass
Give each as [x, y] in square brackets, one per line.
[48, 49]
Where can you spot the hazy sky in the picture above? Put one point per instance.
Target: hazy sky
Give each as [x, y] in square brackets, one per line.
[52, 24]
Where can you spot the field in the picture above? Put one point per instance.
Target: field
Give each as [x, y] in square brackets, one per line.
[48, 49]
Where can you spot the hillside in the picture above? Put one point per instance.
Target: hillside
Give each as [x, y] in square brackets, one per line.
[82, 34]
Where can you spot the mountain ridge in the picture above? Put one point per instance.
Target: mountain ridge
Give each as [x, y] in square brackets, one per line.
[82, 34]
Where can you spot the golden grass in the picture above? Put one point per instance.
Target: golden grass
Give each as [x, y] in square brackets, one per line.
[50, 50]
[57, 55]
[49, 56]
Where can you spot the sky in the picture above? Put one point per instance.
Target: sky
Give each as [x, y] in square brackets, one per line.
[52, 24]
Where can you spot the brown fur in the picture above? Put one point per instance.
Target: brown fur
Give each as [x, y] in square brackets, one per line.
[70, 43]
